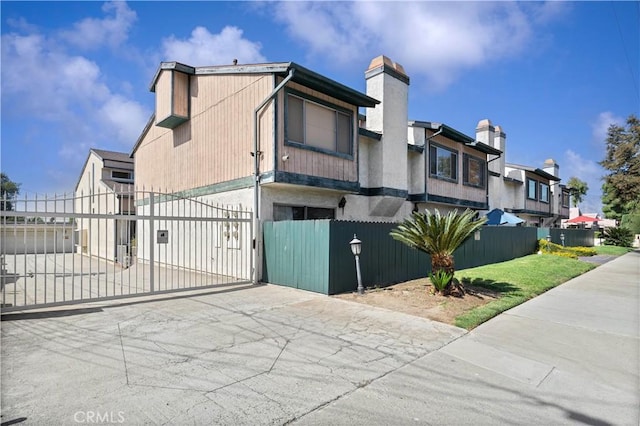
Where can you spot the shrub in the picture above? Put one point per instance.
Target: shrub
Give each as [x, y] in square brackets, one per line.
[440, 279]
[571, 252]
[620, 236]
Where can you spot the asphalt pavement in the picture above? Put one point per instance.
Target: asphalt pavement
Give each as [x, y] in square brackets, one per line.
[272, 355]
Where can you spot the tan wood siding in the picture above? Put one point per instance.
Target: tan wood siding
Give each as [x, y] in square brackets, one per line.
[451, 189]
[180, 94]
[534, 205]
[307, 162]
[215, 145]
[163, 95]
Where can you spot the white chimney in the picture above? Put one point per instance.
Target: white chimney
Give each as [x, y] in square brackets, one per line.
[388, 83]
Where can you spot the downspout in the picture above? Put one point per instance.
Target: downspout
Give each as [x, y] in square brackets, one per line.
[256, 172]
[487, 184]
[426, 160]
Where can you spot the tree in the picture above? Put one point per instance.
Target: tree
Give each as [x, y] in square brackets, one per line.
[9, 190]
[621, 188]
[578, 190]
[439, 236]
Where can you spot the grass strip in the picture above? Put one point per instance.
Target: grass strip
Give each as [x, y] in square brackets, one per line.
[516, 281]
[612, 250]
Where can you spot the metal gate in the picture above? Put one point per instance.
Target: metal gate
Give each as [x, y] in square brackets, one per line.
[113, 244]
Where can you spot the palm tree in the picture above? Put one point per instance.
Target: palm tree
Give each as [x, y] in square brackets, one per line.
[439, 236]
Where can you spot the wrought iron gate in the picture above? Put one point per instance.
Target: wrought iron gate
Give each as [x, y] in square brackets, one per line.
[112, 244]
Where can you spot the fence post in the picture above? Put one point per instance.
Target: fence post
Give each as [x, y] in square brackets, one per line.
[151, 247]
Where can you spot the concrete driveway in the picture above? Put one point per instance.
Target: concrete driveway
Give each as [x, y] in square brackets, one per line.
[274, 355]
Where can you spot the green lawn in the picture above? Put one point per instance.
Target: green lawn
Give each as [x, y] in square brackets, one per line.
[612, 250]
[516, 281]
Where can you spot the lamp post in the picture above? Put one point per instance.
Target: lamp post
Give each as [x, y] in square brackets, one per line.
[562, 239]
[549, 241]
[356, 249]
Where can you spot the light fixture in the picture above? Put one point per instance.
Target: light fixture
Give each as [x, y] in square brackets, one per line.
[562, 239]
[342, 202]
[285, 157]
[356, 249]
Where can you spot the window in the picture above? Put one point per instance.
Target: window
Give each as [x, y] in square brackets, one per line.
[565, 199]
[302, 213]
[532, 189]
[443, 163]
[473, 171]
[121, 175]
[318, 126]
[544, 192]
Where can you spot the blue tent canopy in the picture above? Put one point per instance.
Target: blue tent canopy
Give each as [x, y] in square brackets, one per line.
[500, 217]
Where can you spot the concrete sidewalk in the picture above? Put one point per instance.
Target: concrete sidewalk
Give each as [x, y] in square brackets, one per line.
[274, 355]
[569, 356]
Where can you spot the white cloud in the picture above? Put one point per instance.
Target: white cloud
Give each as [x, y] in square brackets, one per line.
[434, 39]
[112, 30]
[204, 48]
[601, 125]
[588, 171]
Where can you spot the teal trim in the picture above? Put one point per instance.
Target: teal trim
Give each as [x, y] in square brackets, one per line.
[532, 212]
[383, 191]
[456, 202]
[306, 180]
[495, 174]
[216, 188]
[172, 121]
[417, 197]
[369, 134]
[415, 148]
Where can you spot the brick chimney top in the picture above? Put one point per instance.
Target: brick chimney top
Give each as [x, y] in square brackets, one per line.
[384, 64]
[484, 123]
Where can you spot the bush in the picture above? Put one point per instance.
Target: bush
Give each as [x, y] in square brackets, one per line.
[571, 252]
[440, 280]
[620, 236]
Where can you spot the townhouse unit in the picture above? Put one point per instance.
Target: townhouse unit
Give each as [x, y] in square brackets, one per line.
[104, 188]
[291, 144]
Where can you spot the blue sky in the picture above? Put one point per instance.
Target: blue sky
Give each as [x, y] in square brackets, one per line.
[75, 75]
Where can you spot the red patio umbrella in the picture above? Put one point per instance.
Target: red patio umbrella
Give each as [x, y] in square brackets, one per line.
[582, 219]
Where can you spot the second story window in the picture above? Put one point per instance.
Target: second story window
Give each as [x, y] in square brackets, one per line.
[532, 189]
[443, 163]
[473, 171]
[318, 126]
[544, 192]
[565, 199]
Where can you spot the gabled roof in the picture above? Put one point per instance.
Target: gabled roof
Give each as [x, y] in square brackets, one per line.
[455, 135]
[534, 170]
[301, 75]
[122, 157]
[110, 159]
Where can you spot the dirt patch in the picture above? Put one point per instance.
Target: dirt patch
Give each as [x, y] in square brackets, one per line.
[416, 298]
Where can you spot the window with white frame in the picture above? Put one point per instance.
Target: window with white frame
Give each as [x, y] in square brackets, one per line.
[318, 126]
[544, 192]
[532, 189]
[443, 162]
[473, 171]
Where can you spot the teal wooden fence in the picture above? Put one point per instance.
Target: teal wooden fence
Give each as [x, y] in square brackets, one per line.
[315, 255]
[572, 237]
